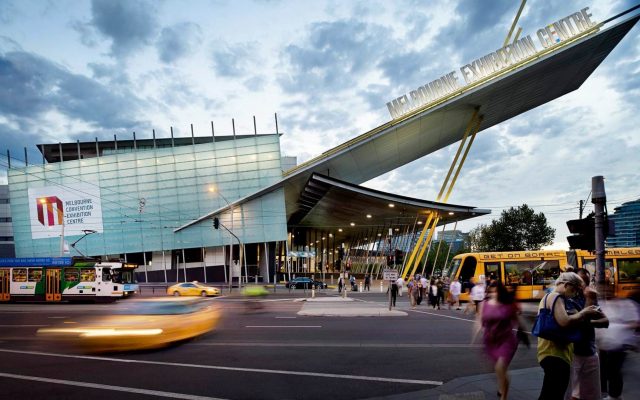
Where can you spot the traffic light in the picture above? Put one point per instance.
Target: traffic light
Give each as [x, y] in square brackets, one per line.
[584, 236]
[216, 222]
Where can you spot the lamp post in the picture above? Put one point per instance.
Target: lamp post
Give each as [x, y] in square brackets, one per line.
[212, 189]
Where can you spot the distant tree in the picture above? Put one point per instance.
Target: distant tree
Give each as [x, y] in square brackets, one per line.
[517, 229]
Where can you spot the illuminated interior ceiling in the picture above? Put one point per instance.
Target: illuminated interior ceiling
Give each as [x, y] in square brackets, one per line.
[329, 205]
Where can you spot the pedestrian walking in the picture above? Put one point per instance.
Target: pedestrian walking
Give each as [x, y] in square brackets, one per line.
[400, 283]
[499, 315]
[440, 292]
[433, 294]
[477, 295]
[585, 367]
[394, 293]
[367, 282]
[555, 356]
[454, 293]
[354, 286]
[340, 283]
[614, 342]
[412, 290]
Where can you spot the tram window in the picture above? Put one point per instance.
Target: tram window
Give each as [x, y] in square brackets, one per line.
[35, 274]
[87, 275]
[19, 274]
[629, 270]
[492, 270]
[538, 272]
[71, 275]
[106, 274]
[590, 265]
[467, 271]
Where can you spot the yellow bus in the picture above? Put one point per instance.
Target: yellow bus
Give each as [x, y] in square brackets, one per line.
[530, 273]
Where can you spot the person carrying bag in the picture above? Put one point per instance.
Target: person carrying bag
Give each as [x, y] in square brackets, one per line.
[553, 328]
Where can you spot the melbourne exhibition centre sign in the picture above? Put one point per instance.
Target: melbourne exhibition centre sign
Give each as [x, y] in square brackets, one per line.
[493, 64]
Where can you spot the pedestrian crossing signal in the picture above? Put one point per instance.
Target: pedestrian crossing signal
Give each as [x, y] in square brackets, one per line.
[216, 223]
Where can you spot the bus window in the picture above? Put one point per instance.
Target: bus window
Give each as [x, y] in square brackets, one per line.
[19, 274]
[71, 275]
[629, 270]
[492, 271]
[467, 271]
[35, 274]
[87, 275]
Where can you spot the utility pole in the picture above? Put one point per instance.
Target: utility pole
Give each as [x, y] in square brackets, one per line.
[599, 199]
[581, 208]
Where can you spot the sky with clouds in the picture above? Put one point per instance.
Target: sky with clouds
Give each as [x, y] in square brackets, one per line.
[72, 69]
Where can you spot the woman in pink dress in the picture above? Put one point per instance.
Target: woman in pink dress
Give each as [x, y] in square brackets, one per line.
[498, 317]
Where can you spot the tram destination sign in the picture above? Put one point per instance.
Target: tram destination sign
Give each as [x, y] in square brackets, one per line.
[493, 63]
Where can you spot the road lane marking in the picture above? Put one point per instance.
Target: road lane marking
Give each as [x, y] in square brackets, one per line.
[461, 319]
[286, 317]
[222, 368]
[283, 326]
[341, 345]
[444, 316]
[22, 326]
[171, 395]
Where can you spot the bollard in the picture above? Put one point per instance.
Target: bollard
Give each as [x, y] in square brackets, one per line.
[275, 282]
[381, 287]
[360, 288]
[313, 291]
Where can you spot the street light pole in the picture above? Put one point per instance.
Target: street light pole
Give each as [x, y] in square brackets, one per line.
[241, 246]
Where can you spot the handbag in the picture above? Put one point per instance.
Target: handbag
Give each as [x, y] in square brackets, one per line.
[547, 327]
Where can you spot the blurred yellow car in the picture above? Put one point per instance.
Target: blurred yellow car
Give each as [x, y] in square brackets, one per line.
[143, 324]
[192, 289]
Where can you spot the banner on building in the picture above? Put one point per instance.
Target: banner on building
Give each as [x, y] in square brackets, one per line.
[72, 208]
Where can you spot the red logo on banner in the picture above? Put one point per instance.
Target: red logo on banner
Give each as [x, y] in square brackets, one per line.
[48, 203]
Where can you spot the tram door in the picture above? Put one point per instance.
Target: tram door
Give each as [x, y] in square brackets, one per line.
[4, 285]
[52, 290]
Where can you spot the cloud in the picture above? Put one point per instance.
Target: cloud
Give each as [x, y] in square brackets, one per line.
[34, 86]
[334, 56]
[129, 24]
[86, 31]
[7, 12]
[178, 41]
[235, 61]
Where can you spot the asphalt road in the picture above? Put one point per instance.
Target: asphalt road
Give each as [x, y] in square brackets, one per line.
[270, 354]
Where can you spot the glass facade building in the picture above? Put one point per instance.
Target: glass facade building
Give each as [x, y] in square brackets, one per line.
[6, 230]
[627, 221]
[142, 194]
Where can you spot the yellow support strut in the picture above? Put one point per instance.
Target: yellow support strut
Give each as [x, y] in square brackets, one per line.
[422, 244]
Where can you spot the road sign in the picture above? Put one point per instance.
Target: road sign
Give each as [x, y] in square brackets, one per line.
[389, 274]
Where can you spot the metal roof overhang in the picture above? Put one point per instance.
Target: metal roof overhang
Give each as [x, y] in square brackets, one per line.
[425, 131]
[327, 205]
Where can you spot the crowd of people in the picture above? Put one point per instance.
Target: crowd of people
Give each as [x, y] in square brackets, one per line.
[584, 364]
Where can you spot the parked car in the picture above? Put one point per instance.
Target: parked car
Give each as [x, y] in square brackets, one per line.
[192, 289]
[305, 283]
